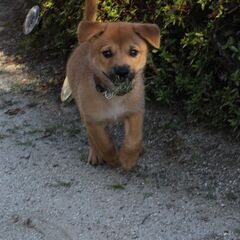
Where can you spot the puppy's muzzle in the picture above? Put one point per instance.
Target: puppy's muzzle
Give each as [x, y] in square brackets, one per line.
[121, 73]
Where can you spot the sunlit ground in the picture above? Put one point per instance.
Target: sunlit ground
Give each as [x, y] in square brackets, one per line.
[11, 74]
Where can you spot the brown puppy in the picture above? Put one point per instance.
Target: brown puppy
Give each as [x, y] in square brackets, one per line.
[110, 51]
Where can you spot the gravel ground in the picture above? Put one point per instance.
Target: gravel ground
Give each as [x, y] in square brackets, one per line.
[186, 185]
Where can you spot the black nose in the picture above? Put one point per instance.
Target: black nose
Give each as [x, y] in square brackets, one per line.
[122, 71]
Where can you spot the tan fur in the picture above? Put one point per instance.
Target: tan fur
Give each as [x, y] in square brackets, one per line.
[90, 10]
[87, 65]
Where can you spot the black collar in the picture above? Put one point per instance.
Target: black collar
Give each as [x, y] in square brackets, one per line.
[101, 89]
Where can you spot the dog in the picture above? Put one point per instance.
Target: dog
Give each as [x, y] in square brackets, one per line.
[109, 54]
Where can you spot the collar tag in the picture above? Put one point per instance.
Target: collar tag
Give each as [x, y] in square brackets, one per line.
[108, 95]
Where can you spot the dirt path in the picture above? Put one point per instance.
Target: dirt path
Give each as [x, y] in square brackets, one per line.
[186, 185]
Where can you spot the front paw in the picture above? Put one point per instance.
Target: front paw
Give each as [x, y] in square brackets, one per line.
[129, 157]
[94, 158]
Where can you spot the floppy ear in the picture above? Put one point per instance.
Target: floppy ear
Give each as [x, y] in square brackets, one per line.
[87, 30]
[149, 32]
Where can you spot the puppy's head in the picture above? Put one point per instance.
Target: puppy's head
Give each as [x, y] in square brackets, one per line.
[118, 50]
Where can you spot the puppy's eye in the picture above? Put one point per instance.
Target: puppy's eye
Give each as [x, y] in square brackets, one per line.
[133, 52]
[107, 54]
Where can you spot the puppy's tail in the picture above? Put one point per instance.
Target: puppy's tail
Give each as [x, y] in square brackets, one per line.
[90, 13]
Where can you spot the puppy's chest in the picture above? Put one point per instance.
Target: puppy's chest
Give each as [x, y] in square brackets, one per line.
[115, 111]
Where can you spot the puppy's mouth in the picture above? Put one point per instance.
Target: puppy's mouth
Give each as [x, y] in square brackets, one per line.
[120, 87]
[121, 84]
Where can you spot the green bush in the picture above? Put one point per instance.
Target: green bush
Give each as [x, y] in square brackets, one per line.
[198, 65]
[57, 29]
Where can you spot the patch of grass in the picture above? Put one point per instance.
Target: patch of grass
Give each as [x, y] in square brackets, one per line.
[2, 72]
[28, 223]
[26, 124]
[61, 184]
[25, 222]
[25, 44]
[171, 125]
[23, 86]
[118, 186]
[170, 206]
[211, 196]
[237, 231]
[51, 130]
[17, 86]
[15, 218]
[98, 221]
[231, 196]
[15, 111]
[83, 156]
[33, 131]
[73, 132]
[173, 144]
[9, 24]
[2, 92]
[32, 105]
[27, 142]
[213, 236]
[190, 189]
[147, 195]
[3, 136]
[14, 129]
